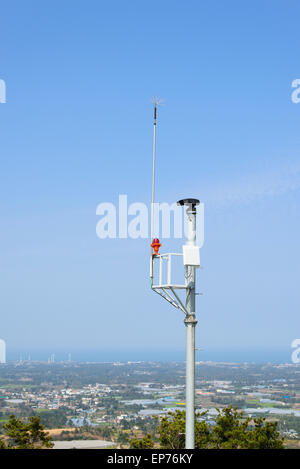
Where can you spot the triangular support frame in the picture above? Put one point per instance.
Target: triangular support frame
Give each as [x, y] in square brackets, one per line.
[174, 301]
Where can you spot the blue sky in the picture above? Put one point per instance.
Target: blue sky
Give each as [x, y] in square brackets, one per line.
[76, 131]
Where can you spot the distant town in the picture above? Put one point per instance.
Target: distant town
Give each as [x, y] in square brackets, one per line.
[114, 402]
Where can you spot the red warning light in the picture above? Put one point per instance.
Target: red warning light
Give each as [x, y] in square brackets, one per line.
[155, 245]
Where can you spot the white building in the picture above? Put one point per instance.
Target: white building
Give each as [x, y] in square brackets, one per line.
[2, 351]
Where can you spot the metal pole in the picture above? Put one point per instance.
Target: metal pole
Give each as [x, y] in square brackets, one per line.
[190, 323]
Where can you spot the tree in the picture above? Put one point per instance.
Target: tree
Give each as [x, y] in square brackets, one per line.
[2, 444]
[265, 436]
[107, 432]
[55, 418]
[27, 435]
[142, 443]
[172, 431]
[122, 438]
[231, 431]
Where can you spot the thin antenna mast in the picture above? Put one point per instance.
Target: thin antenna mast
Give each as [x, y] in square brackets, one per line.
[155, 102]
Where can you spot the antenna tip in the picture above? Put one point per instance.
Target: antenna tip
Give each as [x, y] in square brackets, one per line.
[157, 101]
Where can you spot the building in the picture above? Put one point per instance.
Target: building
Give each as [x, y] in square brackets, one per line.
[83, 444]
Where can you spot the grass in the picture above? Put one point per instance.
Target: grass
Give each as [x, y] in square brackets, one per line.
[13, 386]
[261, 404]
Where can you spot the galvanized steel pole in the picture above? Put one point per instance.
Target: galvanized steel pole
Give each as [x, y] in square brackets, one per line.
[190, 323]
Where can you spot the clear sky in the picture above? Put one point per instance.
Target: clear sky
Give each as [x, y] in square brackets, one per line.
[76, 131]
